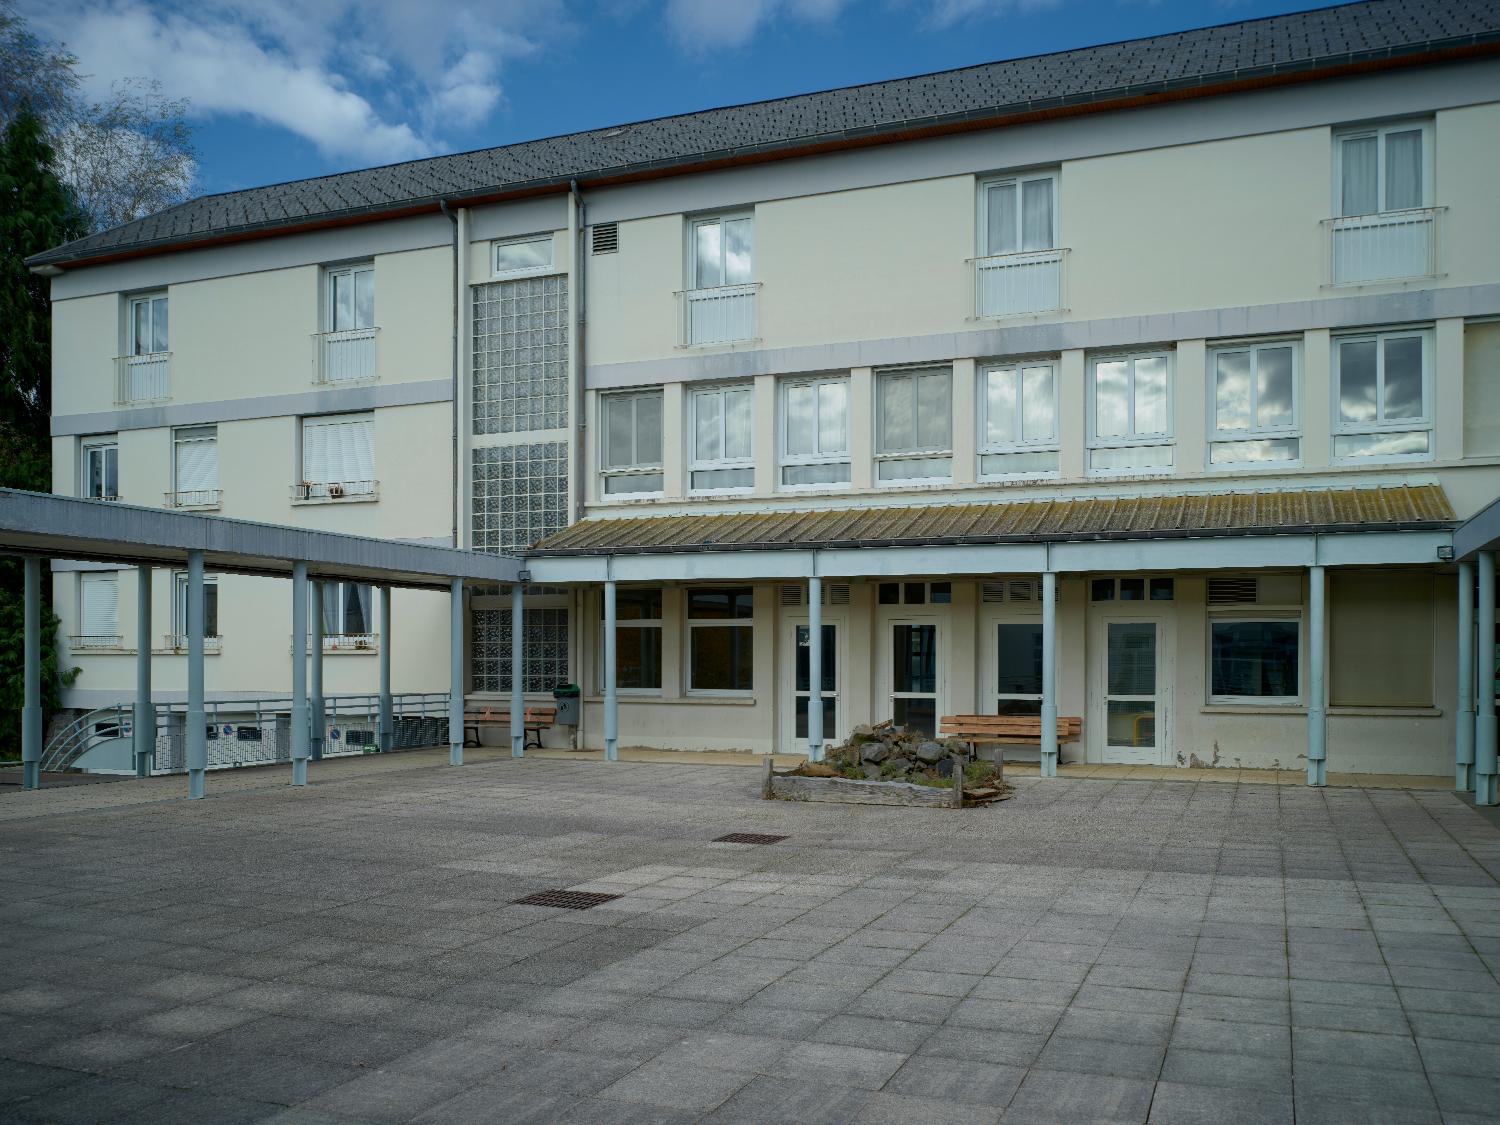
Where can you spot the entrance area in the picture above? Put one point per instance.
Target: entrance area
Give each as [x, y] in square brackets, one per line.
[914, 675]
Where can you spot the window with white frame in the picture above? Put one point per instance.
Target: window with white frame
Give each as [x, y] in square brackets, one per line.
[1130, 413]
[630, 457]
[1383, 395]
[98, 610]
[338, 456]
[722, 431]
[180, 607]
[99, 472]
[1018, 213]
[1254, 415]
[637, 638]
[148, 324]
[721, 639]
[515, 257]
[350, 303]
[1254, 659]
[815, 432]
[1018, 420]
[195, 467]
[1383, 168]
[348, 610]
[722, 251]
[914, 425]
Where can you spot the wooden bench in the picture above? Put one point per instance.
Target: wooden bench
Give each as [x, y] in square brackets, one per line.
[1006, 730]
[534, 720]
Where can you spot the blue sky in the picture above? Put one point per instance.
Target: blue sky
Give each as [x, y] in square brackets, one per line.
[283, 89]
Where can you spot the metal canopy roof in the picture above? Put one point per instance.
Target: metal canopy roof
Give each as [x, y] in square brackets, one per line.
[1245, 54]
[64, 527]
[1421, 507]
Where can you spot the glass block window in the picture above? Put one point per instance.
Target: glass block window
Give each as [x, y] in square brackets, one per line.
[520, 495]
[521, 355]
[545, 644]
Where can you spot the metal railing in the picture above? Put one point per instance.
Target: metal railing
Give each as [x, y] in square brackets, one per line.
[350, 642]
[335, 490]
[178, 642]
[249, 732]
[194, 498]
[1390, 246]
[80, 641]
[143, 378]
[725, 314]
[1020, 284]
[347, 356]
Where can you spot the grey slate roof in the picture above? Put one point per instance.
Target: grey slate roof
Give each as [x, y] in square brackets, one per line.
[1323, 37]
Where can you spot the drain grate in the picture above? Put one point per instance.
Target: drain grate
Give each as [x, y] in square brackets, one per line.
[566, 900]
[749, 838]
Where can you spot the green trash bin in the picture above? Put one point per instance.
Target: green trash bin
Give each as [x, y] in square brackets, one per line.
[568, 699]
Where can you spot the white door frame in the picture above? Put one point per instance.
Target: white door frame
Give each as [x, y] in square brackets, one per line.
[786, 727]
[885, 696]
[1096, 725]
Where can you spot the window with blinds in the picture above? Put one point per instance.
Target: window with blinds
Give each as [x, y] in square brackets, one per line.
[195, 467]
[338, 456]
[99, 609]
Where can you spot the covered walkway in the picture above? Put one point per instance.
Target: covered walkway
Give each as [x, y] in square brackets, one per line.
[38, 526]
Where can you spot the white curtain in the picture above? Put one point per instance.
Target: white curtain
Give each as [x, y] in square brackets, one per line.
[1036, 215]
[1358, 175]
[1000, 204]
[1403, 170]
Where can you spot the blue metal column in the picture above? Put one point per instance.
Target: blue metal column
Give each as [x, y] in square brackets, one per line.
[300, 732]
[319, 721]
[144, 718]
[385, 736]
[456, 672]
[517, 671]
[1048, 756]
[1317, 664]
[196, 719]
[31, 705]
[814, 669]
[1463, 735]
[1485, 781]
[611, 695]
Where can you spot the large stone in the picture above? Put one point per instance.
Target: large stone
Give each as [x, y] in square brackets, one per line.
[875, 751]
[930, 751]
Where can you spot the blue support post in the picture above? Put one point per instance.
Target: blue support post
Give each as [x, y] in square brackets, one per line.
[301, 735]
[31, 704]
[196, 719]
[456, 672]
[1463, 735]
[611, 694]
[1048, 755]
[517, 671]
[815, 669]
[1485, 781]
[1317, 664]
[143, 719]
[385, 736]
[317, 712]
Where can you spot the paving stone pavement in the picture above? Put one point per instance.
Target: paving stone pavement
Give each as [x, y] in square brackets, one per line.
[1093, 950]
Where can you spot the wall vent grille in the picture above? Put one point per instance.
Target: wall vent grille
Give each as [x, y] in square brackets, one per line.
[1012, 591]
[834, 593]
[1233, 591]
[605, 238]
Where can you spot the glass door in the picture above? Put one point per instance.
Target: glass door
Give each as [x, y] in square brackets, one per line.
[802, 686]
[1132, 725]
[914, 663]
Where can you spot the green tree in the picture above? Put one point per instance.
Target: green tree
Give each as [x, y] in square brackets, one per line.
[36, 212]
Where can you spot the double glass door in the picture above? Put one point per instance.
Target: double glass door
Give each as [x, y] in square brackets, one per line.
[914, 676]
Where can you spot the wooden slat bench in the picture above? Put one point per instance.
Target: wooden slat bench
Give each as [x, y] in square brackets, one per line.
[534, 720]
[1006, 730]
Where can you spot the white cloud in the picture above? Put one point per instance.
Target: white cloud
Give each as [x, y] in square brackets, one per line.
[700, 26]
[946, 13]
[366, 81]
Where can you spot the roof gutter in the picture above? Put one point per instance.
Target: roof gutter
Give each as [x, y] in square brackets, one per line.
[1351, 64]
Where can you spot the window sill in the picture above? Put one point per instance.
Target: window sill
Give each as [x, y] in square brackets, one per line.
[207, 652]
[1397, 712]
[88, 650]
[323, 384]
[1295, 710]
[316, 501]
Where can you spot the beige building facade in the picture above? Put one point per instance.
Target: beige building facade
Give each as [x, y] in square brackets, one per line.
[1217, 368]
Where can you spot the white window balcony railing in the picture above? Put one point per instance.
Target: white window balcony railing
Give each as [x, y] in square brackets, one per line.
[725, 314]
[346, 357]
[178, 642]
[350, 642]
[1022, 284]
[84, 641]
[1392, 246]
[143, 378]
[194, 498]
[337, 490]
